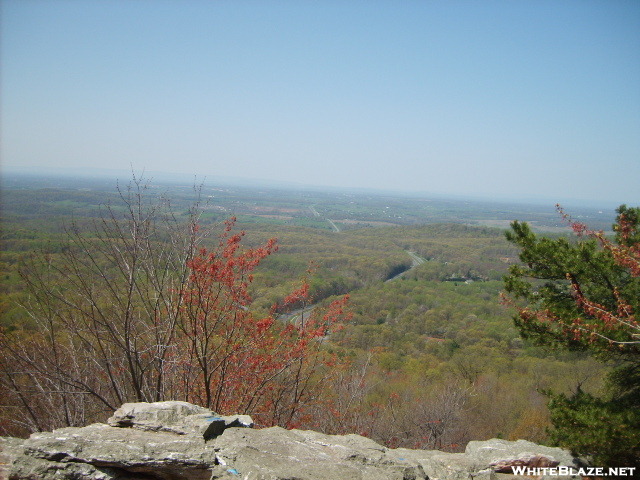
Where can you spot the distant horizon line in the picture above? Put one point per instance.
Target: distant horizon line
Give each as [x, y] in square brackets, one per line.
[232, 180]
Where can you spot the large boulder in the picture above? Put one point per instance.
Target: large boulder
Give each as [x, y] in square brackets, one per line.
[503, 455]
[494, 459]
[103, 452]
[158, 416]
[10, 448]
[276, 453]
[449, 466]
[181, 418]
[177, 440]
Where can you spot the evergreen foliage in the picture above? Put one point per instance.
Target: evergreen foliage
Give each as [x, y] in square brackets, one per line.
[583, 295]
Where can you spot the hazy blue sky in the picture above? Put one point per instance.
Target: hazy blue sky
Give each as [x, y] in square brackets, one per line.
[498, 98]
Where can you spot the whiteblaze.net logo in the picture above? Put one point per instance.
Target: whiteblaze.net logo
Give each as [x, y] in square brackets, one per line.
[584, 472]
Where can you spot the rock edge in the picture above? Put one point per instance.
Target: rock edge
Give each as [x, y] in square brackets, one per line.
[178, 440]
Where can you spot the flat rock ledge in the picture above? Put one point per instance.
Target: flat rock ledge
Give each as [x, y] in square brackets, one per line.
[178, 440]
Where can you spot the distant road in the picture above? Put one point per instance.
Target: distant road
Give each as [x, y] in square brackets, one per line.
[298, 316]
[415, 258]
[331, 222]
[313, 210]
[335, 227]
[415, 261]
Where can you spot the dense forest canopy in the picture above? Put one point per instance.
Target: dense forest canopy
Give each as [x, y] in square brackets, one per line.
[416, 356]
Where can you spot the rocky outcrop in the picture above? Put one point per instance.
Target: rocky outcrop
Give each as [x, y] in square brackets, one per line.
[177, 440]
[181, 418]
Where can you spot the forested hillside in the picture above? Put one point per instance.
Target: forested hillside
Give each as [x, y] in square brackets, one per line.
[422, 353]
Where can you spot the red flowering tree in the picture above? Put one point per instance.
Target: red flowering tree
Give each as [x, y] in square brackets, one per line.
[133, 310]
[232, 361]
